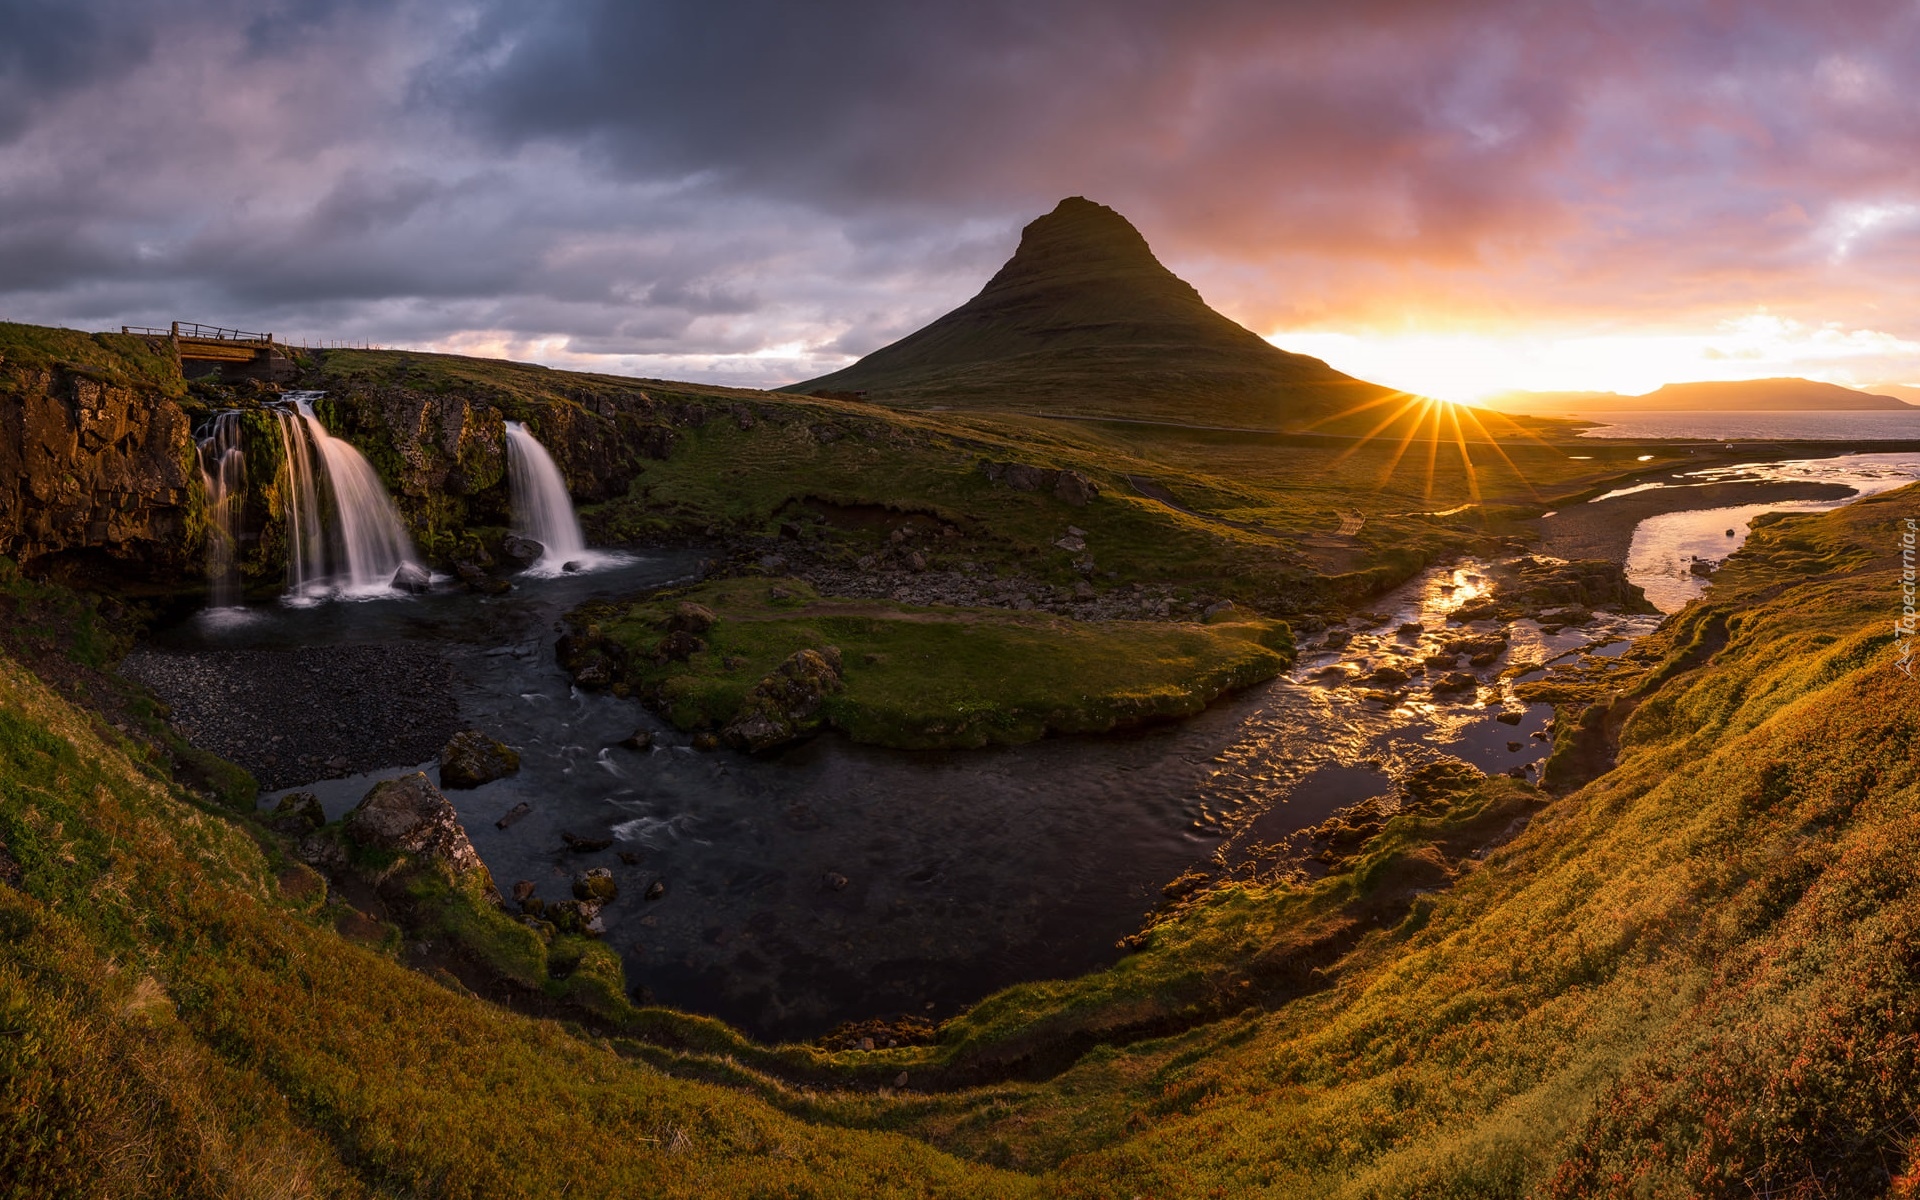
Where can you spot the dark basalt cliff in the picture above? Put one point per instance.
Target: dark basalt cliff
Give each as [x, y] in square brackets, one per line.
[97, 472]
[1084, 320]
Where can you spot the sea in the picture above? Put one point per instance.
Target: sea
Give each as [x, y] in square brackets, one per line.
[1733, 426]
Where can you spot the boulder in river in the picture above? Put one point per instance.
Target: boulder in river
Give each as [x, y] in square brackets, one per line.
[523, 550]
[471, 758]
[639, 739]
[410, 815]
[412, 578]
[596, 885]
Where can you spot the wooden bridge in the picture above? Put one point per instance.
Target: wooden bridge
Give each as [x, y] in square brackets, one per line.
[234, 354]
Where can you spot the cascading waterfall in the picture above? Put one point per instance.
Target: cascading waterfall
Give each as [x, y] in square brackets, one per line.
[364, 551]
[223, 468]
[542, 510]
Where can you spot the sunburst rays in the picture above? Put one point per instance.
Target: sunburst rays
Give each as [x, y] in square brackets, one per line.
[1432, 421]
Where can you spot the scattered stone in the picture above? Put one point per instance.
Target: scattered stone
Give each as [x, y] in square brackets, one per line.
[1388, 675]
[576, 916]
[582, 845]
[512, 815]
[900, 1080]
[1075, 489]
[523, 550]
[689, 617]
[471, 758]
[1509, 718]
[596, 885]
[412, 579]
[677, 646]
[916, 561]
[297, 813]
[656, 889]
[1071, 545]
[834, 881]
[639, 739]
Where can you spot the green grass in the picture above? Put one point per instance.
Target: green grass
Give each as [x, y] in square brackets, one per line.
[939, 677]
[115, 359]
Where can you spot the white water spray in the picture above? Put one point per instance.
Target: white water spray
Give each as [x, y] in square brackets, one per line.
[359, 551]
[542, 510]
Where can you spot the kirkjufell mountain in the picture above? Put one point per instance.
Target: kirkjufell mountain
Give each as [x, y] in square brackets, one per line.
[1083, 320]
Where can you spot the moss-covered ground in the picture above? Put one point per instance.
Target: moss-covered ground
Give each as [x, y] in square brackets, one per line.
[923, 677]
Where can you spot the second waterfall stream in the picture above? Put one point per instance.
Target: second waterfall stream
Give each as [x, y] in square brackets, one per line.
[542, 510]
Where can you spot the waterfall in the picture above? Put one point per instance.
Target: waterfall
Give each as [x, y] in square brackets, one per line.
[542, 510]
[223, 468]
[363, 549]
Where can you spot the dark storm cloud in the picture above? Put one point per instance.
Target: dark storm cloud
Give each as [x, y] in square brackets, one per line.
[730, 177]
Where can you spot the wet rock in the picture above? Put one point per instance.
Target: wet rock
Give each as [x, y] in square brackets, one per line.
[573, 566]
[512, 815]
[639, 739]
[786, 703]
[1509, 718]
[594, 673]
[410, 815]
[584, 845]
[297, 813]
[1336, 639]
[576, 916]
[471, 758]
[1440, 662]
[628, 857]
[689, 617]
[523, 550]
[656, 889]
[1411, 629]
[1729, 533]
[523, 891]
[596, 885]
[1455, 681]
[1700, 568]
[706, 742]
[1515, 747]
[1388, 675]
[412, 579]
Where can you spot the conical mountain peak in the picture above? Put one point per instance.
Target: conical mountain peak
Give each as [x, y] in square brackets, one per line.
[1084, 320]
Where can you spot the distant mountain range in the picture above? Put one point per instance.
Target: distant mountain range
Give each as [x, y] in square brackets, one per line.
[1751, 395]
[1083, 320]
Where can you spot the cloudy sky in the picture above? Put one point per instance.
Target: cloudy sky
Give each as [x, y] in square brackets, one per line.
[1450, 196]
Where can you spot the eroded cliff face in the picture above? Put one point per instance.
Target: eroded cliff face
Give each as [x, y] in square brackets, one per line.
[100, 473]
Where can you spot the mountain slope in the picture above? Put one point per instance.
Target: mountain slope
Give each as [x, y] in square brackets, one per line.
[1083, 320]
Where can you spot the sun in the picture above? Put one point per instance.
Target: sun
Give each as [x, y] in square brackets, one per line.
[1434, 429]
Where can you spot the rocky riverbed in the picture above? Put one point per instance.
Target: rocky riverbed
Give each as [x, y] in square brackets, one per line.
[305, 713]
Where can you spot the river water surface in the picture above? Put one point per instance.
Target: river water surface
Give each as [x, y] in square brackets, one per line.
[965, 871]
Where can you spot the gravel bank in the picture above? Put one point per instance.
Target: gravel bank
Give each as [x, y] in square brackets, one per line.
[294, 716]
